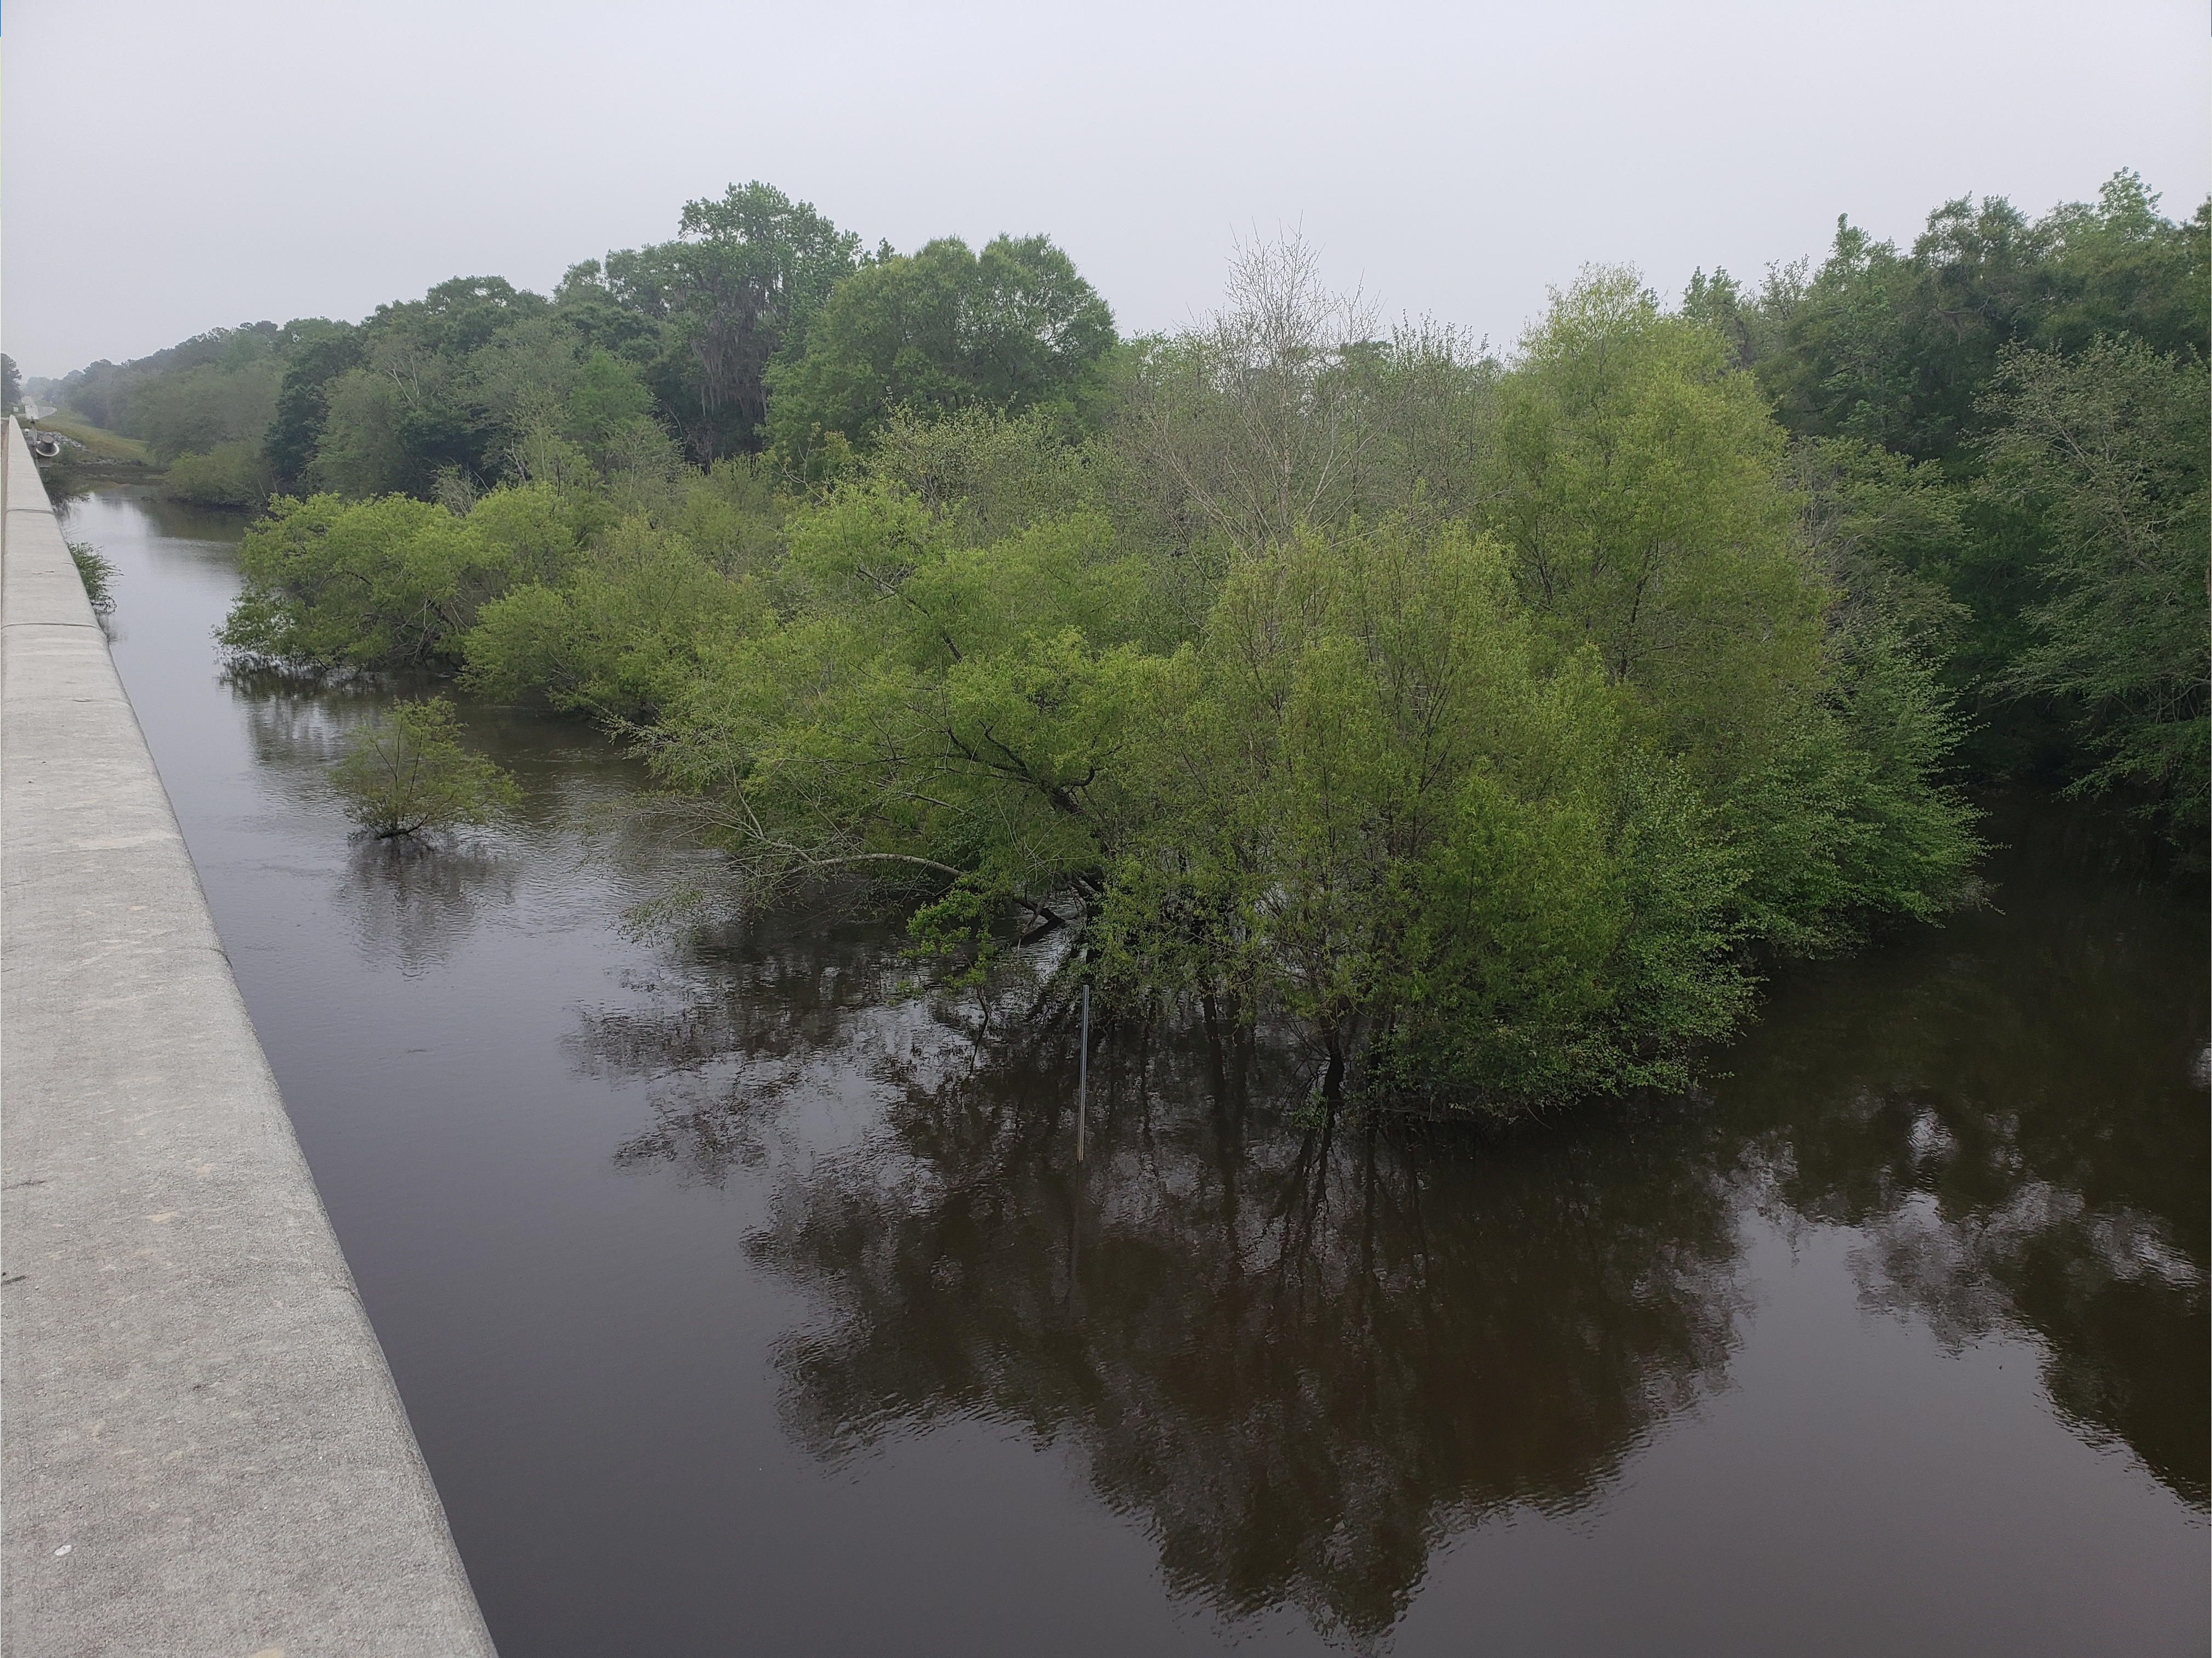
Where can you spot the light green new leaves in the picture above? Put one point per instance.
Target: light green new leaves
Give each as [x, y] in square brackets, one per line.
[622, 636]
[1644, 493]
[388, 583]
[1370, 805]
[928, 707]
[1638, 486]
[409, 772]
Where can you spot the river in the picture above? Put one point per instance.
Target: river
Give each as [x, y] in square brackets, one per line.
[745, 1299]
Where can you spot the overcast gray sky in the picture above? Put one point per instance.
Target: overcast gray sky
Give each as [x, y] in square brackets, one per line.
[169, 167]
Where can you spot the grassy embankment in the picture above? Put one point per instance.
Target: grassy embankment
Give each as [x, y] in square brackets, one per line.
[91, 455]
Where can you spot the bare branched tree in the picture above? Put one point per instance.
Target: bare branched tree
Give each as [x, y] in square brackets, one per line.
[1262, 417]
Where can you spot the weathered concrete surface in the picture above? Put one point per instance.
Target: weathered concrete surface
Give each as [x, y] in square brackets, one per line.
[202, 1449]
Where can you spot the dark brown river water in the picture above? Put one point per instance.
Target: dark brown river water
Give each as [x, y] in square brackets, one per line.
[744, 1301]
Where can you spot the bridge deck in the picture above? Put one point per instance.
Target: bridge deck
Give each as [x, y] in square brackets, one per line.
[201, 1449]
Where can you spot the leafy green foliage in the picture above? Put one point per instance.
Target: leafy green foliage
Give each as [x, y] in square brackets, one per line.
[1482, 720]
[1481, 750]
[235, 474]
[97, 571]
[416, 407]
[410, 772]
[926, 707]
[324, 351]
[387, 583]
[2107, 450]
[1894, 346]
[1492, 815]
[1370, 805]
[194, 412]
[621, 636]
[1901, 371]
[1638, 486]
[113, 397]
[211, 395]
[641, 360]
[1650, 509]
[1011, 329]
[708, 313]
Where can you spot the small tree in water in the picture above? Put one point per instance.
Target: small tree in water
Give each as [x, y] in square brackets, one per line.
[410, 773]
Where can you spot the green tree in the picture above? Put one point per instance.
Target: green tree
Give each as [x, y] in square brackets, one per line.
[2119, 267]
[387, 583]
[1904, 350]
[324, 351]
[2106, 450]
[229, 474]
[192, 410]
[930, 709]
[409, 772]
[412, 410]
[1639, 485]
[115, 397]
[727, 299]
[621, 635]
[1895, 347]
[365, 447]
[1647, 502]
[540, 382]
[1476, 718]
[1371, 805]
[1011, 329]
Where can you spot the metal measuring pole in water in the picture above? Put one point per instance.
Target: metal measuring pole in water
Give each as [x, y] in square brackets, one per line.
[1083, 1074]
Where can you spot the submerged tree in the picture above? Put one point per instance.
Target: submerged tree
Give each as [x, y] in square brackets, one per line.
[1474, 719]
[410, 773]
[388, 583]
[1486, 802]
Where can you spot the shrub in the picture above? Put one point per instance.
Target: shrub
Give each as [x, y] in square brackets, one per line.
[228, 475]
[410, 773]
[94, 567]
[389, 583]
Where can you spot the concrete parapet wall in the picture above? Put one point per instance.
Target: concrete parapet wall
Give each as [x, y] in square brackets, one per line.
[202, 1451]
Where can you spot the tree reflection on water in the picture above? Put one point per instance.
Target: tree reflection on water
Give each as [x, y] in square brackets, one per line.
[1302, 1355]
[2013, 1114]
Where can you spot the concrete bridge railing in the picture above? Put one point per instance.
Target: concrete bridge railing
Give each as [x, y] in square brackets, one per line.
[202, 1452]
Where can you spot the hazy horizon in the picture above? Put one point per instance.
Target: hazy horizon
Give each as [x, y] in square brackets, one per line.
[168, 170]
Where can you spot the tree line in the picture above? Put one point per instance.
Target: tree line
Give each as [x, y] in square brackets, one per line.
[2011, 415]
[760, 326]
[1483, 718]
